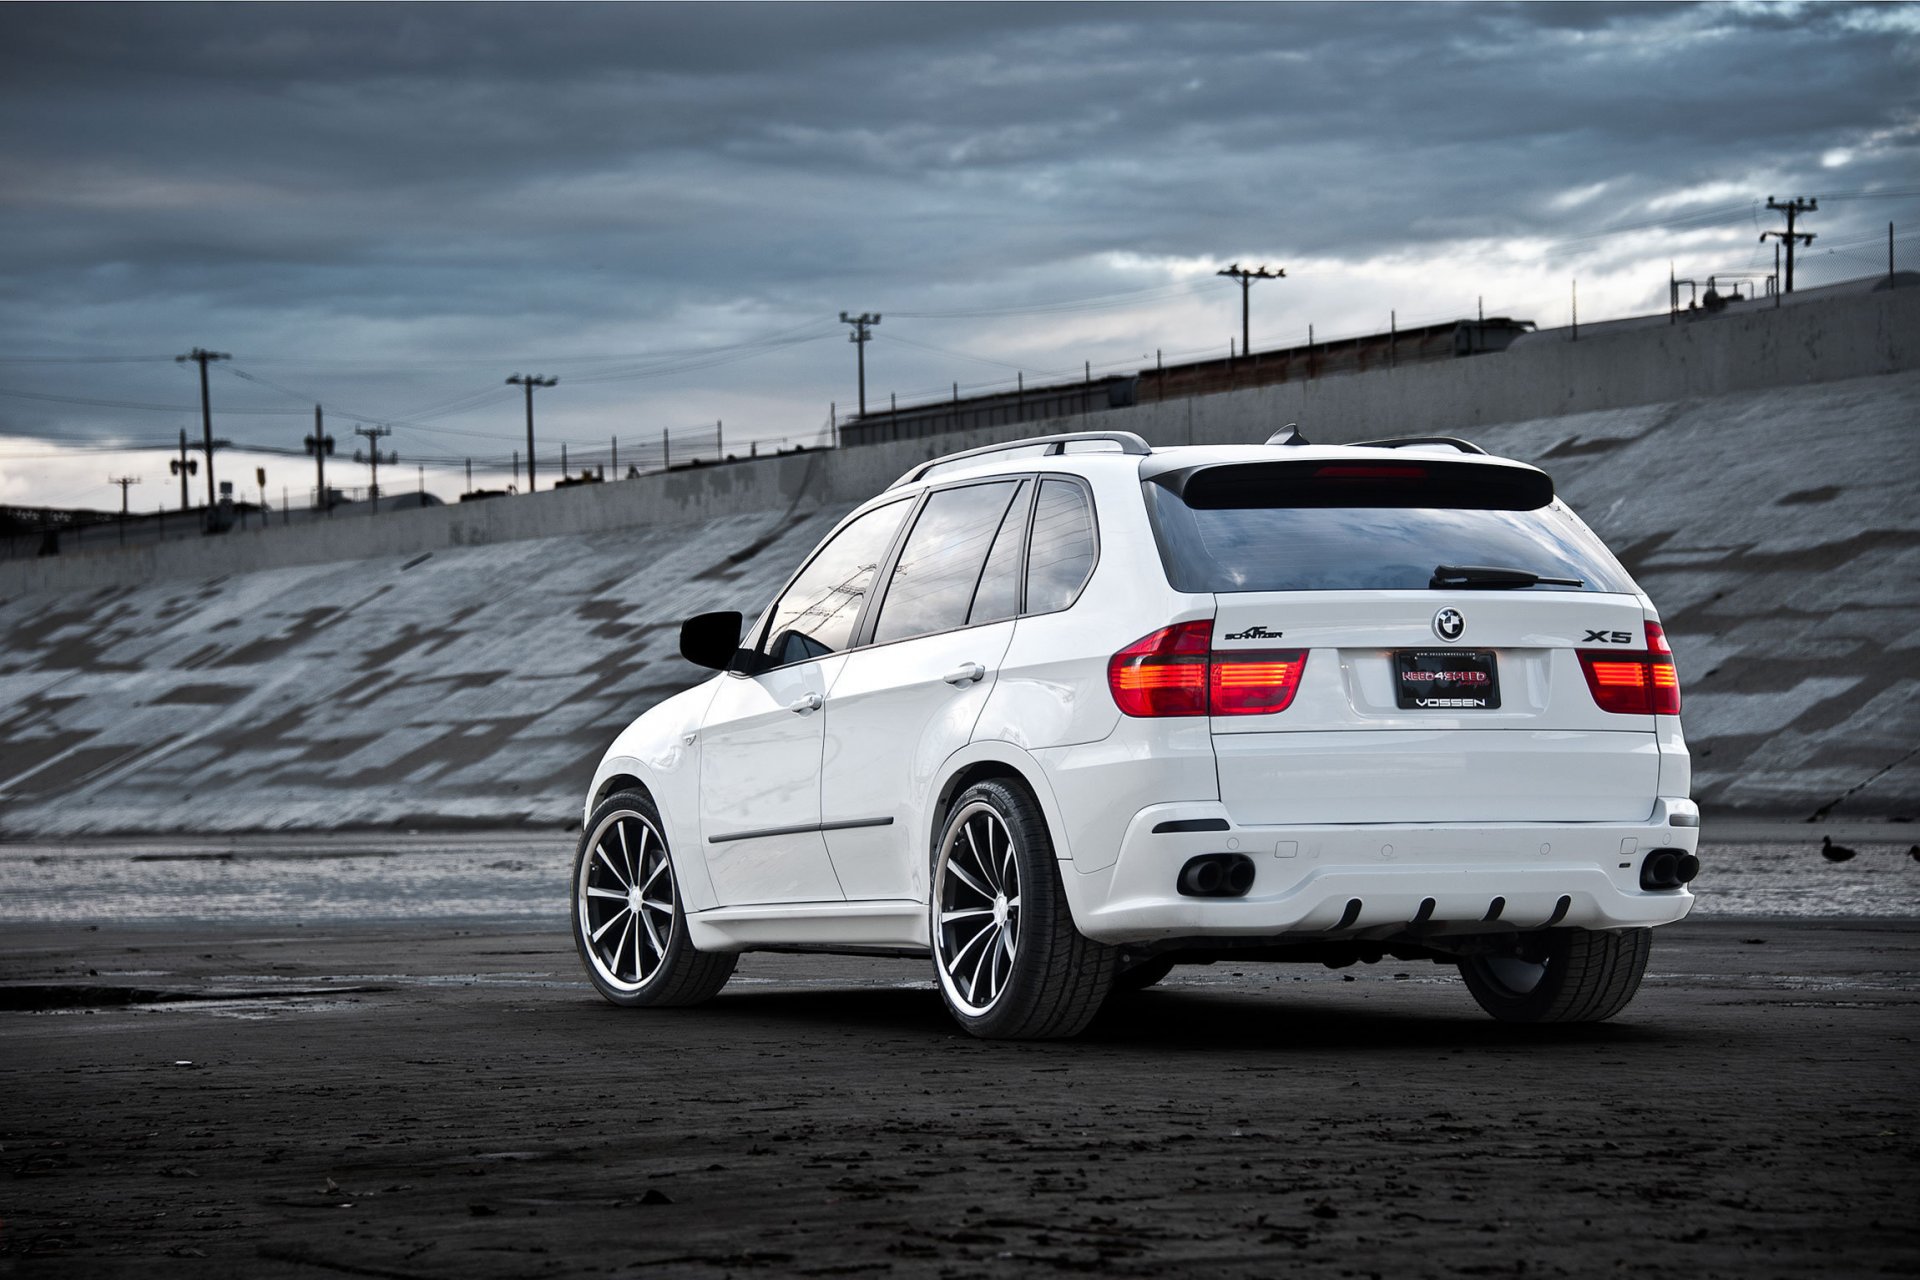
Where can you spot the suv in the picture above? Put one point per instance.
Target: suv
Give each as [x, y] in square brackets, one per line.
[1065, 713]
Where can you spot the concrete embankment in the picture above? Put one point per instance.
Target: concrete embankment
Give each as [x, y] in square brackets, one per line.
[478, 679]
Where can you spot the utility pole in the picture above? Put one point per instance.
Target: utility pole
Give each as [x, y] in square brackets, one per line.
[320, 446]
[860, 337]
[1793, 209]
[1246, 276]
[201, 356]
[124, 482]
[530, 382]
[374, 457]
[183, 466]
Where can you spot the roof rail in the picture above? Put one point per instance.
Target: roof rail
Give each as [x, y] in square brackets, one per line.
[1413, 442]
[1127, 440]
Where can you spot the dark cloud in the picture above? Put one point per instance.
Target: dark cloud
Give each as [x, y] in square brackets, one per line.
[429, 184]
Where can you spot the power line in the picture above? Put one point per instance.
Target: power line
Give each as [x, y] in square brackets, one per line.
[1092, 302]
[84, 359]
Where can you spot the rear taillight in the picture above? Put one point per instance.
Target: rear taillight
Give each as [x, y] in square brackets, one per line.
[1256, 683]
[1634, 684]
[1174, 672]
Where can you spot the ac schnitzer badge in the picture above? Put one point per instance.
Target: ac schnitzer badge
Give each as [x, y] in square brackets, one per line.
[1448, 624]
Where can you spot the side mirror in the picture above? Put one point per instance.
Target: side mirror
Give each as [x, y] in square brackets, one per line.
[711, 639]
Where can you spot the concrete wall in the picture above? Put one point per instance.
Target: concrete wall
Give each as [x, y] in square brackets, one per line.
[1831, 340]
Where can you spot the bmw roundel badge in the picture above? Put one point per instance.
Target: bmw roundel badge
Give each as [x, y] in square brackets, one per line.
[1448, 624]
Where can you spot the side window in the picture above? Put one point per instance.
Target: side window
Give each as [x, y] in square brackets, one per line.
[998, 595]
[932, 586]
[815, 616]
[1060, 558]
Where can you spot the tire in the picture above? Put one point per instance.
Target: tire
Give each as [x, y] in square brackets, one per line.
[1561, 975]
[634, 945]
[1142, 974]
[1006, 955]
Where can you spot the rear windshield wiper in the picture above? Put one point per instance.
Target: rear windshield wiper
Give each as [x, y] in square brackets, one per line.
[1493, 578]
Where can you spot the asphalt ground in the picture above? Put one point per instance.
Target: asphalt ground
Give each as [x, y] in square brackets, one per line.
[407, 1099]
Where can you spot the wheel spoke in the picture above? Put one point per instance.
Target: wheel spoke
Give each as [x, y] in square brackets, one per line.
[968, 880]
[620, 947]
[986, 952]
[653, 940]
[948, 917]
[655, 875]
[612, 866]
[621, 826]
[612, 920]
[595, 891]
[960, 956]
[984, 861]
[1004, 953]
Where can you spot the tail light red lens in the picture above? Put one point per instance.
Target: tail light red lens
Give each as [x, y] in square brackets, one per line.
[1255, 684]
[1174, 672]
[1634, 684]
[1164, 674]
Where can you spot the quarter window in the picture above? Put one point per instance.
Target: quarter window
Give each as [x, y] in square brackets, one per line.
[998, 596]
[933, 584]
[815, 615]
[1060, 557]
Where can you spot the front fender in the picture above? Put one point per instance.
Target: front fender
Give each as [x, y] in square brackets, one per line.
[661, 749]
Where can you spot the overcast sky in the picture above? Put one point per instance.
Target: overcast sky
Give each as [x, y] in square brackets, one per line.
[390, 208]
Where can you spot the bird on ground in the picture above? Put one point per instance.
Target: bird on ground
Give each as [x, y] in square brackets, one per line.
[1834, 852]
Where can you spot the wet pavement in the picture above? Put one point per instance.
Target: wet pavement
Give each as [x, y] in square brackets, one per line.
[414, 1099]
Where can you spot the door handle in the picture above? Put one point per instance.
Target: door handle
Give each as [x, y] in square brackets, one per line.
[968, 673]
[809, 703]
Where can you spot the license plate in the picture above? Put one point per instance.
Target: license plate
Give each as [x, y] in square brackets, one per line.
[1446, 679]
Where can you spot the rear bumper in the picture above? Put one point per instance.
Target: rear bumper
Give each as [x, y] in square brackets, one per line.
[1479, 877]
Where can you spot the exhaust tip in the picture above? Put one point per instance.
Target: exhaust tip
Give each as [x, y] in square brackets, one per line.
[1668, 869]
[1216, 875]
[1239, 876]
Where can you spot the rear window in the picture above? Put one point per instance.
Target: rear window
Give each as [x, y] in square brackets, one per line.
[1239, 534]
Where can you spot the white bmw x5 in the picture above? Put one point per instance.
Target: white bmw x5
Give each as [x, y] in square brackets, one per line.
[1066, 713]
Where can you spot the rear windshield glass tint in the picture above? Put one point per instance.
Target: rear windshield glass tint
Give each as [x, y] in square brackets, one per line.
[1321, 548]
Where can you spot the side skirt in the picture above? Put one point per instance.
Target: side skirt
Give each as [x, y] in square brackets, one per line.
[889, 927]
